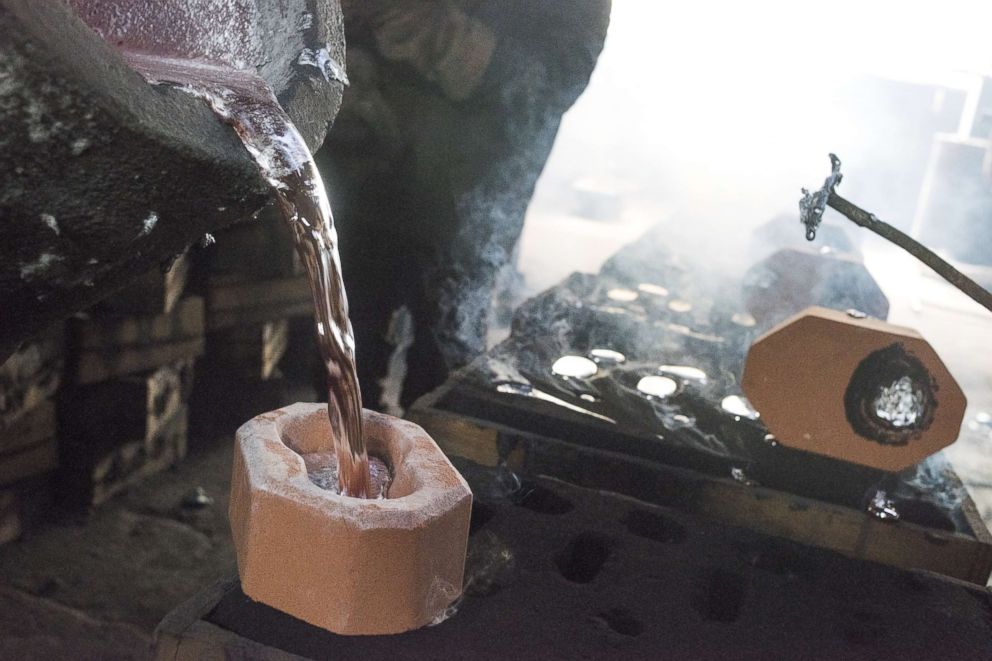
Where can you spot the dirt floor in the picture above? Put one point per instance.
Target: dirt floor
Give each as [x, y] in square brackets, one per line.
[96, 587]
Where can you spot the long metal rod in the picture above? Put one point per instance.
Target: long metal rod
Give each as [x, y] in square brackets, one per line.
[869, 221]
[811, 210]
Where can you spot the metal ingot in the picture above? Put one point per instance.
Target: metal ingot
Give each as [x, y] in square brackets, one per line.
[858, 389]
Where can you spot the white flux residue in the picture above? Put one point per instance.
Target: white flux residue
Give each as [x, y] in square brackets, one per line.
[900, 404]
[321, 59]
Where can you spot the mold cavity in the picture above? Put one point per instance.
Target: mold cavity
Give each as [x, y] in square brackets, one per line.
[621, 621]
[541, 499]
[723, 596]
[583, 558]
[891, 397]
[322, 469]
[654, 527]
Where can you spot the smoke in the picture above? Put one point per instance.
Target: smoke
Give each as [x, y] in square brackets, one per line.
[710, 116]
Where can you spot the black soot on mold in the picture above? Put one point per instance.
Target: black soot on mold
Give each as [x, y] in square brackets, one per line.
[891, 398]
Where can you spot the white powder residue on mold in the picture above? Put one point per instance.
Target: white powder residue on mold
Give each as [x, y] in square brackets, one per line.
[40, 266]
[79, 145]
[330, 68]
[40, 126]
[50, 221]
[148, 224]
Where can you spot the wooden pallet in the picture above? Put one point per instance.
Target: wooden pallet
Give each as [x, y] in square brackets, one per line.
[29, 447]
[252, 351]
[185, 635]
[114, 433]
[108, 347]
[154, 292]
[31, 376]
[237, 302]
[965, 553]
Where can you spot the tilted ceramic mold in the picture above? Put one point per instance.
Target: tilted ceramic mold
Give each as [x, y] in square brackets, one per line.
[349, 565]
[853, 388]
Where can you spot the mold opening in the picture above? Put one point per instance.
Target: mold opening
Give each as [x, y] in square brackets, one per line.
[583, 558]
[891, 398]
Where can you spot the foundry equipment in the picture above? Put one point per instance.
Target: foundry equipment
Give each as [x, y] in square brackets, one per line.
[104, 176]
[630, 380]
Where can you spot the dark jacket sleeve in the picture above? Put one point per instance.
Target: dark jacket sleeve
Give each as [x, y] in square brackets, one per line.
[485, 47]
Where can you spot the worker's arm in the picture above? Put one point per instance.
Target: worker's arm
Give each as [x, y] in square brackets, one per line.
[548, 46]
[437, 39]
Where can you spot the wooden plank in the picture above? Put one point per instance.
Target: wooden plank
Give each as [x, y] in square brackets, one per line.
[459, 436]
[152, 293]
[243, 303]
[183, 633]
[253, 351]
[849, 531]
[31, 376]
[34, 460]
[116, 432]
[29, 446]
[35, 426]
[109, 347]
[131, 462]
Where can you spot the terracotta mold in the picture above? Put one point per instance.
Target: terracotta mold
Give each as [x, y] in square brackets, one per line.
[853, 388]
[351, 566]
